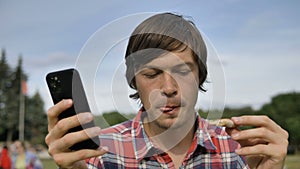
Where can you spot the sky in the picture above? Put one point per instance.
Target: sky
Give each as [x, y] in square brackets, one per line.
[254, 46]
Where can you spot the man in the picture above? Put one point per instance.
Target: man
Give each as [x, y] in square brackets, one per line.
[166, 65]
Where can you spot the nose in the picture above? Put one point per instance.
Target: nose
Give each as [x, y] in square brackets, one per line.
[169, 86]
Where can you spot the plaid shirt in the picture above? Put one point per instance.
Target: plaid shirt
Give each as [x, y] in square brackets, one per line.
[129, 147]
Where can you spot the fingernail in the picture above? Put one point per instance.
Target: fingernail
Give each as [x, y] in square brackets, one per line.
[235, 135]
[238, 151]
[87, 117]
[98, 130]
[235, 119]
[67, 102]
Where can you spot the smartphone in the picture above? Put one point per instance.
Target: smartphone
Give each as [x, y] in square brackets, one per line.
[67, 84]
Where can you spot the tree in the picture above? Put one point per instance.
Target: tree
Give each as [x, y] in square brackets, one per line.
[285, 110]
[35, 119]
[10, 94]
[13, 101]
[5, 84]
[227, 113]
[231, 112]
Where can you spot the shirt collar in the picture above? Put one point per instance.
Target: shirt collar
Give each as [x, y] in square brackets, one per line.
[205, 133]
[144, 148]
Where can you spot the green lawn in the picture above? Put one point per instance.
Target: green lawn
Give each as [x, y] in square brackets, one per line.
[49, 164]
[291, 162]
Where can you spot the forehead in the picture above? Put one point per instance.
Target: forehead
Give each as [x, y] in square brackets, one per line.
[171, 59]
[18, 143]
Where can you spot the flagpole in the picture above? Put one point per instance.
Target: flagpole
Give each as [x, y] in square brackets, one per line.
[21, 111]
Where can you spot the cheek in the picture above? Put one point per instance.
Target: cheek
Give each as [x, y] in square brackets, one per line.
[189, 88]
[144, 90]
[150, 94]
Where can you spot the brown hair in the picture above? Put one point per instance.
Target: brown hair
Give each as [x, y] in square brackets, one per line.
[159, 34]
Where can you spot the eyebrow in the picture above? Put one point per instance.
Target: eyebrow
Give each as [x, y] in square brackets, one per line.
[191, 65]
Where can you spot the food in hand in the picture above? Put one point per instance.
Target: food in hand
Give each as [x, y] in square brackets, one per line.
[222, 122]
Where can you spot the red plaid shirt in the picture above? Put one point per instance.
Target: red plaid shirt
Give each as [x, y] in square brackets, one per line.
[130, 147]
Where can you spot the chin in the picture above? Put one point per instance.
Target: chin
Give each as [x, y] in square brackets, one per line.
[169, 123]
[179, 118]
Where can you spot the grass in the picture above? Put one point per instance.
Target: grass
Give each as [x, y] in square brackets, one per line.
[49, 164]
[291, 162]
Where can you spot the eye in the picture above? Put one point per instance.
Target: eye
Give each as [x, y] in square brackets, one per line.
[183, 72]
[151, 74]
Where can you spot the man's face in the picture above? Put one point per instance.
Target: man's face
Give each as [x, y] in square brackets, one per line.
[168, 89]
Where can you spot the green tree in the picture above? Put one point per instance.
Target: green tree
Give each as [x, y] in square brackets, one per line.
[13, 101]
[5, 84]
[227, 112]
[232, 112]
[35, 119]
[10, 94]
[284, 109]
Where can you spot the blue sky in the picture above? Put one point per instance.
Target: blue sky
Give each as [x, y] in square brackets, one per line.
[257, 44]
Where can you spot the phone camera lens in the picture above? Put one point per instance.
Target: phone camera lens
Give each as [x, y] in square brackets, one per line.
[55, 84]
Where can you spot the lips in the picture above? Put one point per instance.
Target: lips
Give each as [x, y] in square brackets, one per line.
[170, 107]
[170, 110]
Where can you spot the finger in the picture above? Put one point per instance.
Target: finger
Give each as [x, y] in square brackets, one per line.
[257, 150]
[63, 144]
[234, 131]
[269, 153]
[260, 133]
[231, 131]
[64, 125]
[245, 142]
[55, 110]
[264, 122]
[69, 158]
[254, 141]
[257, 121]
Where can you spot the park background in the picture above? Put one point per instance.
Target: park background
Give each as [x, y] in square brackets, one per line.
[257, 43]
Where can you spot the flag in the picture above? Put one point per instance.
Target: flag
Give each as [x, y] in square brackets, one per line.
[24, 87]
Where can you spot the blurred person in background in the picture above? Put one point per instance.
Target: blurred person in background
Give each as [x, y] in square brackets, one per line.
[5, 160]
[23, 159]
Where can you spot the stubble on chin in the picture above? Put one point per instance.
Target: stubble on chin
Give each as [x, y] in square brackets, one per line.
[159, 121]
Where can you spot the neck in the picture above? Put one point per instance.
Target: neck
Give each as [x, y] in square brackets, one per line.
[172, 141]
[176, 140]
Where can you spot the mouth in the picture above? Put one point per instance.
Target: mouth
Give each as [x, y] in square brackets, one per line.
[170, 107]
[170, 110]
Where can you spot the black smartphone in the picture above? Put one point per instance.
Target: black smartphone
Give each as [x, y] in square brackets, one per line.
[67, 84]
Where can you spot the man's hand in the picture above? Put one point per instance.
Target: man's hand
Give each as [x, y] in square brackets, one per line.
[265, 146]
[59, 142]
